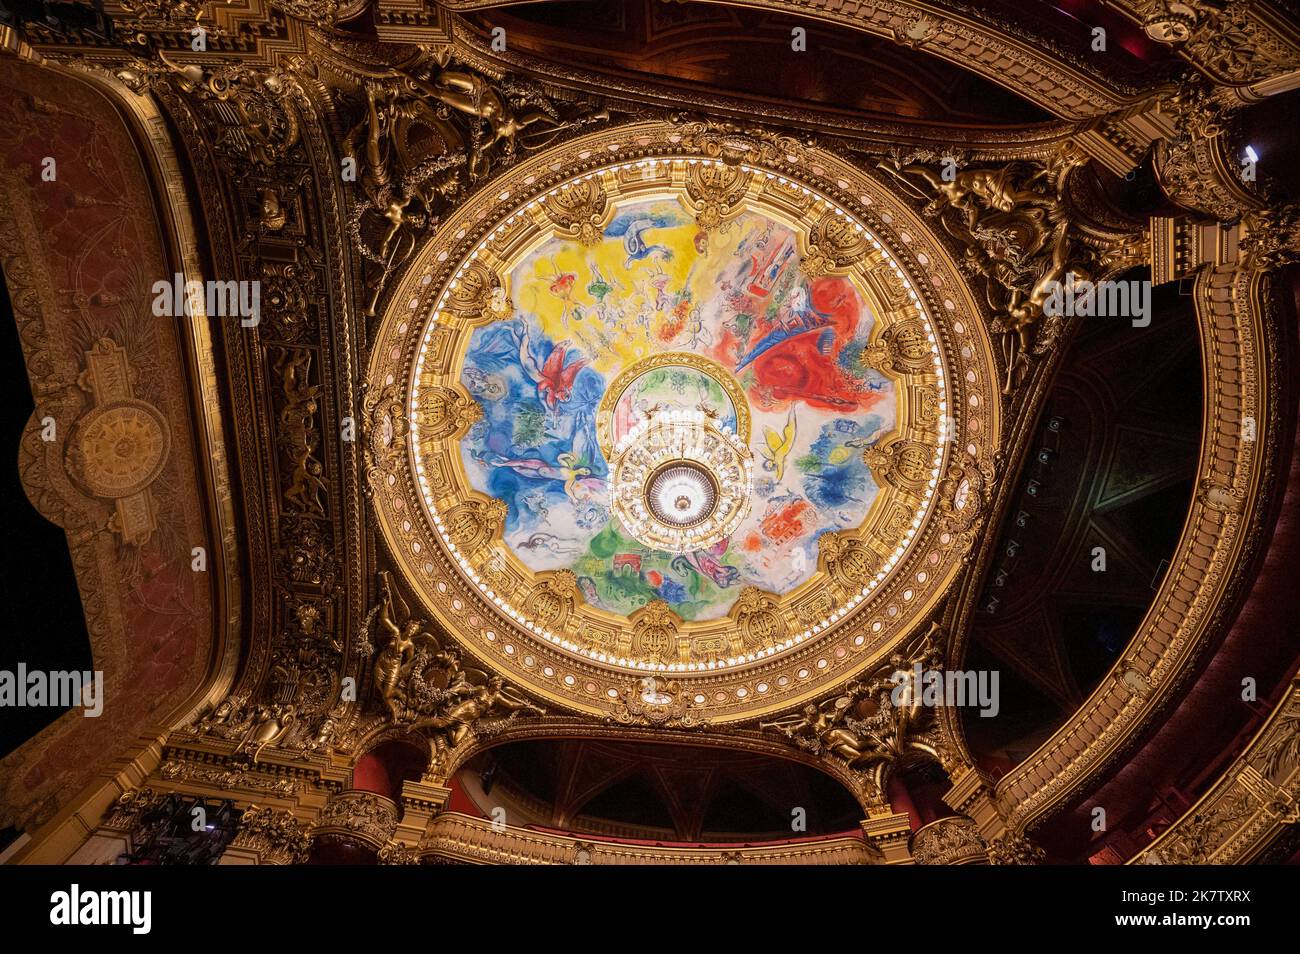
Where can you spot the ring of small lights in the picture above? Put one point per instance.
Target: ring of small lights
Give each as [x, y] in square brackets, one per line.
[416, 346]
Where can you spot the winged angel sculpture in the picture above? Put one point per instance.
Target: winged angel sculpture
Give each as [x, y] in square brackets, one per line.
[423, 683]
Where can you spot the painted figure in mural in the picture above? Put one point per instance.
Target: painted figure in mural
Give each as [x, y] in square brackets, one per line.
[787, 345]
[553, 378]
[777, 446]
[631, 227]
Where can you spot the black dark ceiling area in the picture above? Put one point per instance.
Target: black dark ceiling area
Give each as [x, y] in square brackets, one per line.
[1097, 513]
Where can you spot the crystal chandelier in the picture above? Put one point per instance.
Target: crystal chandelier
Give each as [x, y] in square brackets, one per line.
[681, 481]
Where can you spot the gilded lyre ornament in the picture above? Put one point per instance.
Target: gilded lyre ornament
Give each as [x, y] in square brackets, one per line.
[834, 243]
[446, 412]
[578, 210]
[473, 523]
[715, 190]
[900, 463]
[654, 632]
[478, 295]
[759, 618]
[550, 605]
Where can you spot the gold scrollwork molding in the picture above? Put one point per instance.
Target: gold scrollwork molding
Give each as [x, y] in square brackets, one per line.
[1255, 799]
[454, 837]
[1237, 323]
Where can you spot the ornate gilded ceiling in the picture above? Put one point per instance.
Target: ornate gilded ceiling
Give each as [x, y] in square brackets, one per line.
[632, 279]
[593, 418]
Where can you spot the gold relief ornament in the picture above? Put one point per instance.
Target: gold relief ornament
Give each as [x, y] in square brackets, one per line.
[267, 128]
[274, 833]
[1015, 848]
[654, 632]
[299, 436]
[848, 560]
[578, 210]
[270, 724]
[715, 190]
[479, 294]
[964, 495]
[386, 430]
[363, 815]
[834, 243]
[757, 615]
[120, 446]
[1272, 237]
[949, 841]
[735, 144]
[398, 853]
[654, 700]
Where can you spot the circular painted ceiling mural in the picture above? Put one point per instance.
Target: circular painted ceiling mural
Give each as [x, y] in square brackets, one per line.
[664, 400]
[655, 321]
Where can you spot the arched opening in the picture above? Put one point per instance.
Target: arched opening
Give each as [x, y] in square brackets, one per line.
[663, 793]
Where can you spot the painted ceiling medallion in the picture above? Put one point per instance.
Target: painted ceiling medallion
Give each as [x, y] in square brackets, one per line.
[719, 423]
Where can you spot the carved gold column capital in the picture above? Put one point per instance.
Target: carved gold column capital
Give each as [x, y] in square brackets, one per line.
[1198, 166]
[421, 803]
[973, 795]
[889, 835]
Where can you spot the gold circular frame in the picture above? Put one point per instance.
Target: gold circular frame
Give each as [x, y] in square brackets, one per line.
[444, 537]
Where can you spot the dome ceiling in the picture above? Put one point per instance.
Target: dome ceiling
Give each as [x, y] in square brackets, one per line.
[782, 370]
[681, 411]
